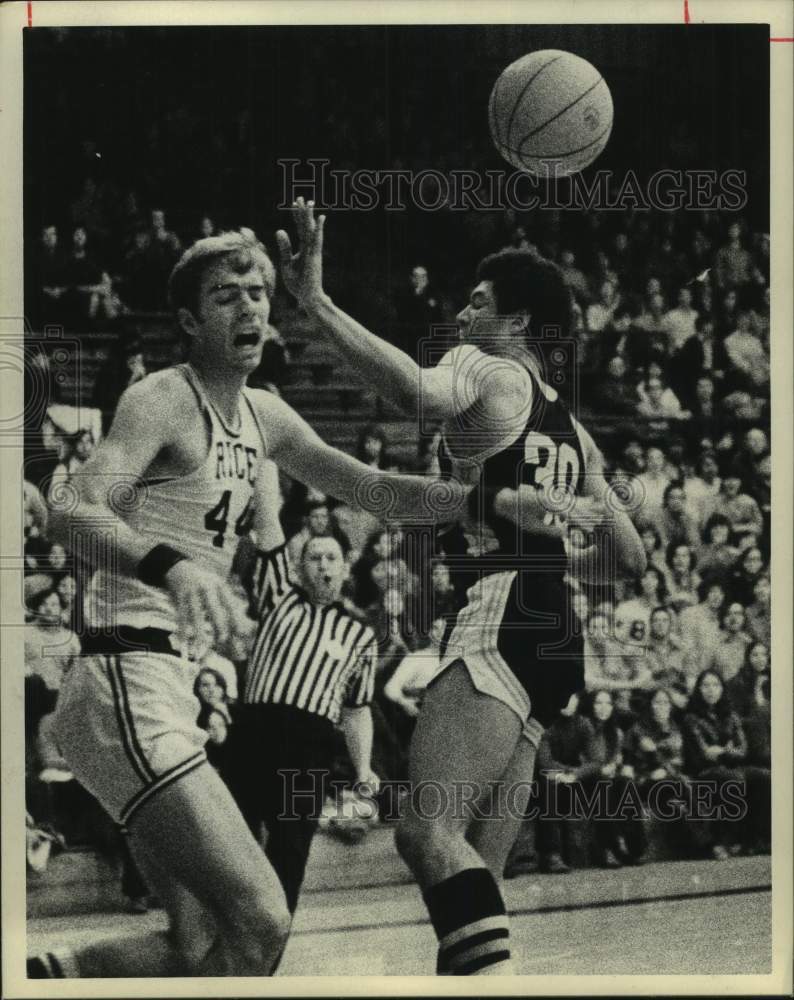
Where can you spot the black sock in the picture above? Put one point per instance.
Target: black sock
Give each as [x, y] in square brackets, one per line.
[45, 966]
[470, 921]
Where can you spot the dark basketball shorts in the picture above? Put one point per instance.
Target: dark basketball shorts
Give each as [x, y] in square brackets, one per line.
[519, 641]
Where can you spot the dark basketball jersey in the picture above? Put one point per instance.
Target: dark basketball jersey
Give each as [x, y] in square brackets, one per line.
[547, 452]
[513, 608]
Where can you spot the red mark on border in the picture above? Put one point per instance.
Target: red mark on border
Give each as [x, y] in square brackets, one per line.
[30, 14]
[781, 39]
[686, 12]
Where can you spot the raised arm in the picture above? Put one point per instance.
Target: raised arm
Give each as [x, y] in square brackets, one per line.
[395, 375]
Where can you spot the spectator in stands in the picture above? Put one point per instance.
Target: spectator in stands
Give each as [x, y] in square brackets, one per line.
[748, 571]
[733, 263]
[574, 277]
[67, 592]
[751, 686]
[355, 525]
[35, 511]
[216, 724]
[206, 227]
[210, 689]
[759, 613]
[562, 752]
[50, 280]
[443, 589]
[90, 290]
[725, 312]
[701, 356]
[744, 407]
[632, 616]
[682, 579]
[654, 548]
[615, 394]
[706, 411]
[161, 254]
[700, 627]
[599, 314]
[748, 358]
[754, 446]
[703, 489]
[659, 404]
[676, 525]
[211, 666]
[372, 447]
[50, 647]
[76, 452]
[159, 234]
[742, 512]
[717, 556]
[603, 763]
[729, 656]
[654, 481]
[715, 747]
[142, 278]
[667, 264]
[680, 322]
[633, 457]
[624, 260]
[655, 744]
[760, 319]
[607, 668]
[123, 366]
[653, 344]
[417, 307]
[665, 657]
[56, 562]
[764, 494]
[315, 523]
[751, 698]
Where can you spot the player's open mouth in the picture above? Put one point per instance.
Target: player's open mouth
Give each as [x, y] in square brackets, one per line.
[246, 339]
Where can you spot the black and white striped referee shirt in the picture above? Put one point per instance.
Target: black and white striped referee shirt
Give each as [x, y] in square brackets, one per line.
[313, 657]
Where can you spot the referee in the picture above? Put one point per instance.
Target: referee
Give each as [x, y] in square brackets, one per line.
[312, 667]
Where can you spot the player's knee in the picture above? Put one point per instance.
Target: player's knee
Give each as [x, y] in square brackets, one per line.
[264, 931]
[414, 838]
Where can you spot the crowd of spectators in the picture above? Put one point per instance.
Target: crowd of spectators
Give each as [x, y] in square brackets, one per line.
[672, 364]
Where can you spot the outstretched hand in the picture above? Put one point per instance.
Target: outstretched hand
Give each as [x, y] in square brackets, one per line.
[302, 271]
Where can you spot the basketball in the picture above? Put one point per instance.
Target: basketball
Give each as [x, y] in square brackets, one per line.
[550, 107]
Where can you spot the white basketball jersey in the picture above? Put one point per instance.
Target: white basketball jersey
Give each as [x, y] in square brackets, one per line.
[203, 514]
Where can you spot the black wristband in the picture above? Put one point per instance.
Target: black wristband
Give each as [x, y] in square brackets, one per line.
[156, 563]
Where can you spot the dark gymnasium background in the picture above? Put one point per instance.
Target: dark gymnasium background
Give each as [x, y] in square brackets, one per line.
[195, 119]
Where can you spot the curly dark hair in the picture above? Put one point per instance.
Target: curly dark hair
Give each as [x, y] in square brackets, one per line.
[523, 280]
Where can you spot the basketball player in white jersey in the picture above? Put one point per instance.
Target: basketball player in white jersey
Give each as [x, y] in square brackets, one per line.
[192, 438]
[506, 431]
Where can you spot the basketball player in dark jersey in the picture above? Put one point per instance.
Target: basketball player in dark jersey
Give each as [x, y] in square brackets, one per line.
[512, 656]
